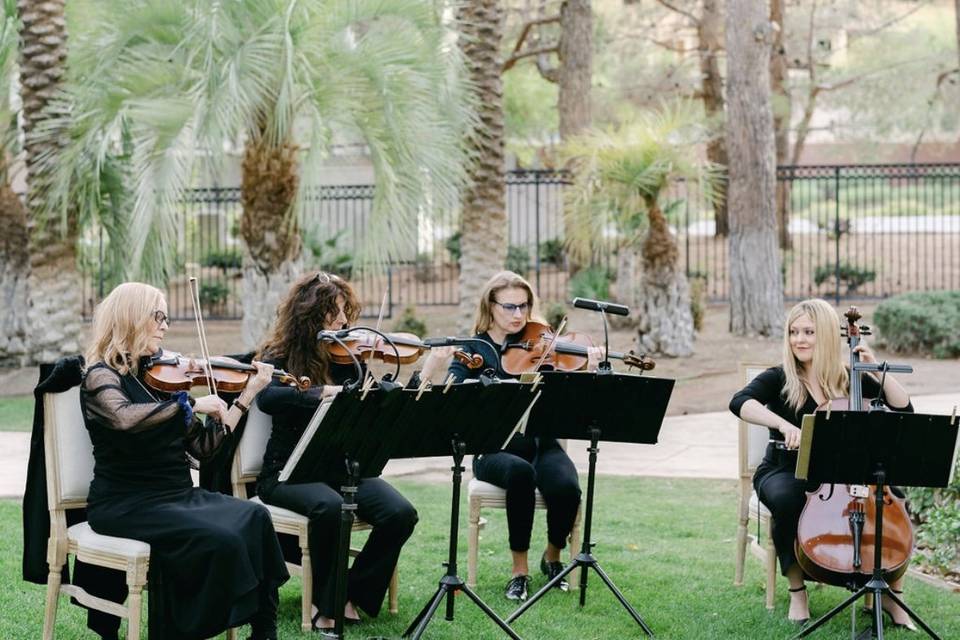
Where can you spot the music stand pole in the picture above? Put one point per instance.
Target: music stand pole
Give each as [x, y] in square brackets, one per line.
[348, 510]
[450, 583]
[585, 559]
[876, 585]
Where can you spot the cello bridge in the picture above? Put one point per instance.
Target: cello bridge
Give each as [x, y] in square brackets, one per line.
[859, 491]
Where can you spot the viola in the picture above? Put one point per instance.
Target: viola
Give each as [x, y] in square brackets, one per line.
[538, 349]
[365, 345]
[172, 372]
[836, 534]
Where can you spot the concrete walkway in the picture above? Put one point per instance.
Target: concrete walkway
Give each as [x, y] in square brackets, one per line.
[701, 445]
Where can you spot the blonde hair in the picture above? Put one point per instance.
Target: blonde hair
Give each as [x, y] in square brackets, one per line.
[830, 370]
[496, 284]
[123, 324]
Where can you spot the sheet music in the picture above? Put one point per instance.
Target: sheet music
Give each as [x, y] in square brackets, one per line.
[305, 438]
[806, 438]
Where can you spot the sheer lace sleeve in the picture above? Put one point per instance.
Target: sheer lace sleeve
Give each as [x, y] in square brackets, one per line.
[106, 401]
[204, 438]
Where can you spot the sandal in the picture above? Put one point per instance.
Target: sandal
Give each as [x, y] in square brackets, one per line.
[798, 621]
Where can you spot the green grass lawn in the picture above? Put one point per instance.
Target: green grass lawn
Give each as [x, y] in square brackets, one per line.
[16, 413]
[668, 544]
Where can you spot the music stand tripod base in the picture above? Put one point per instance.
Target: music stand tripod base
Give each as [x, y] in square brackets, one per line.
[450, 583]
[585, 559]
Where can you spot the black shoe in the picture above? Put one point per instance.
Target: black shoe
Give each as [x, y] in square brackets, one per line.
[800, 622]
[517, 588]
[552, 570]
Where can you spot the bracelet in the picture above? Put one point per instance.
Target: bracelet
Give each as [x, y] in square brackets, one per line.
[239, 405]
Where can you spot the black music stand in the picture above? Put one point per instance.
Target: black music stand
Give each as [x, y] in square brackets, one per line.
[342, 443]
[622, 408]
[459, 419]
[879, 448]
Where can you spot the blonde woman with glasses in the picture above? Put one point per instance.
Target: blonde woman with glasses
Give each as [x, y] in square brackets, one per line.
[813, 371]
[527, 464]
[215, 561]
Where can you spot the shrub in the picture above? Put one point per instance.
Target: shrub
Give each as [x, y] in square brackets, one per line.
[698, 300]
[327, 254]
[551, 252]
[851, 276]
[408, 322]
[225, 259]
[424, 270]
[213, 295]
[453, 246]
[924, 322]
[936, 512]
[518, 259]
[553, 313]
[592, 282]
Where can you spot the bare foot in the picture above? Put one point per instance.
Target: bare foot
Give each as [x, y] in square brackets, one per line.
[350, 612]
[898, 615]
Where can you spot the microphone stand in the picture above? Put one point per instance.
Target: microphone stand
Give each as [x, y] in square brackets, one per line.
[605, 368]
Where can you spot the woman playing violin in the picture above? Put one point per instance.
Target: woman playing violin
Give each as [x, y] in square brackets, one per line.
[317, 302]
[215, 562]
[507, 304]
[812, 373]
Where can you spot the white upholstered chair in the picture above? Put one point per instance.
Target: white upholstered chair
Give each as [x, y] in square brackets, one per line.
[247, 462]
[752, 445]
[485, 495]
[69, 465]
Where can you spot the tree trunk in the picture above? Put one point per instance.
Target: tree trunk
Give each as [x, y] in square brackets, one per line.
[271, 235]
[14, 267]
[576, 67]
[664, 319]
[483, 218]
[781, 119]
[756, 288]
[710, 37]
[54, 285]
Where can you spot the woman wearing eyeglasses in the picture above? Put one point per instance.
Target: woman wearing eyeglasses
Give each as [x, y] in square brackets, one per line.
[317, 302]
[215, 561]
[507, 303]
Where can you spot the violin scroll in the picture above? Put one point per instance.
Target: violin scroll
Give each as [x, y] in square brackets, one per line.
[639, 360]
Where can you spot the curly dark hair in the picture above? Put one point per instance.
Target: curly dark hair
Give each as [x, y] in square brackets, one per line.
[302, 313]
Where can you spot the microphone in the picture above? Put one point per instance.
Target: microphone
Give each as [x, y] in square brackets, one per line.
[601, 305]
[447, 342]
[331, 336]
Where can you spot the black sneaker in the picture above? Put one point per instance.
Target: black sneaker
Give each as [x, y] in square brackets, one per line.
[517, 588]
[552, 570]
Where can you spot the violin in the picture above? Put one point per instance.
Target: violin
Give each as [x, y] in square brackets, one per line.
[170, 372]
[365, 345]
[836, 534]
[540, 349]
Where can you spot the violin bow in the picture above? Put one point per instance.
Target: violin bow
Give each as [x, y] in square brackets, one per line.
[553, 342]
[201, 332]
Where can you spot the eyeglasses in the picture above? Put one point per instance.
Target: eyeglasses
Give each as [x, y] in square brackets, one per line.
[511, 308]
[161, 317]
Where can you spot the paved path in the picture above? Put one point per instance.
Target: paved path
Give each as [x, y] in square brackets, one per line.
[701, 445]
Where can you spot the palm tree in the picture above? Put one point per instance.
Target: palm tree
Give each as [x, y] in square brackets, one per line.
[14, 256]
[621, 174]
[54, 305]
[284, 80]
[483, 216]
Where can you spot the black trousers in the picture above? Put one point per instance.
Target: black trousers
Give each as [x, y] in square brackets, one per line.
[785, 496]
[378, 504]
[526, 466]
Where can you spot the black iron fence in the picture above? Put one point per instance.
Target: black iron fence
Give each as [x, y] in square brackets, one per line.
[863, 231]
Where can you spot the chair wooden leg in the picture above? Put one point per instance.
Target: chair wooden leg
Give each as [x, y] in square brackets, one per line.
[473, 541]
[53, 596]
[741, 551]
[306, 582]
[394, 591]
[771, 566]
[134, 604]
[231, 633]
[574, 577]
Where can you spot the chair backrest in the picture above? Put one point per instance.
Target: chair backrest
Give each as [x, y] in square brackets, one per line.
[248, 459]
[753, 438]
[68, 450]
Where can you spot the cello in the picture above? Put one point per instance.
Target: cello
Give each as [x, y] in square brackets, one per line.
[836, 533]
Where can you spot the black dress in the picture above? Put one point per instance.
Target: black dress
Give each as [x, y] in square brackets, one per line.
[215, 562]
[774, 481]
[525, 465]
[391, 515]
